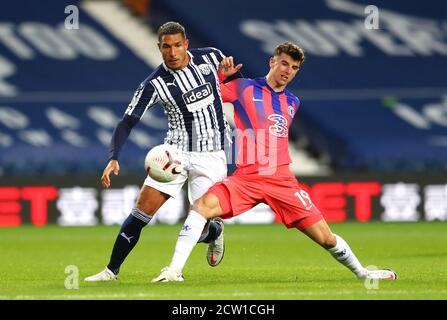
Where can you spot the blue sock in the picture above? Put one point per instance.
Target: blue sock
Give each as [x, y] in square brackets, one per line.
[127, 238]
[213, 232]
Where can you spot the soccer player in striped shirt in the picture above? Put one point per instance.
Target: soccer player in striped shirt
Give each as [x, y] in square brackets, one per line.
[187, 86]
[263, 112]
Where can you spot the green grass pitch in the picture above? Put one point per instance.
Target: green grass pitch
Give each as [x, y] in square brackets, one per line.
[261, 262]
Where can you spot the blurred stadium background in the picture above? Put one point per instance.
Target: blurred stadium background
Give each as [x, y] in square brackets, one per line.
[369, 141]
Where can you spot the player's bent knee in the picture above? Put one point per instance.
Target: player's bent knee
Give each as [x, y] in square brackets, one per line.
[321, 234]
[150, 200]
[329, 241]
[207, 206]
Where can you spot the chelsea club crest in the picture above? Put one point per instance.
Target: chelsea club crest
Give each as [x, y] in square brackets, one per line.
[291, 110]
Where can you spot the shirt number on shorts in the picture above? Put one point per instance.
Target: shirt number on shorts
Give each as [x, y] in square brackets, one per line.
[304, 198]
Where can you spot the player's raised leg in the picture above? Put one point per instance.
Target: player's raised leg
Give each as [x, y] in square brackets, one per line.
[205, 172]
[149, 201]
[340, 250]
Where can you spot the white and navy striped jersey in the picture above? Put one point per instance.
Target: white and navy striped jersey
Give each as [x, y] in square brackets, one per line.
[191, 99]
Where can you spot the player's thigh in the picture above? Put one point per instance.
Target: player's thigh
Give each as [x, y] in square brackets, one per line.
[292, 204]
[205, 170]
[237, 194]
[208, 205]
[150, 200]
[154, 194]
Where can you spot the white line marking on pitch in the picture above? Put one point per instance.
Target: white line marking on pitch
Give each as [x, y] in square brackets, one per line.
[235, 294]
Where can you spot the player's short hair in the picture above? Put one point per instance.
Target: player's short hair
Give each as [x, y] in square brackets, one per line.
[171, 27]
[292, 50]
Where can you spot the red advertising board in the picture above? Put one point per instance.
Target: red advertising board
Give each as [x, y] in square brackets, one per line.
[82, 201]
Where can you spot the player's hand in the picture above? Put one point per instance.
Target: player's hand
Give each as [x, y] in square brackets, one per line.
[227, 67]
[112, 166]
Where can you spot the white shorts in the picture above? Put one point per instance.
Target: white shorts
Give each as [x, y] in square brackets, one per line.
[202, 170]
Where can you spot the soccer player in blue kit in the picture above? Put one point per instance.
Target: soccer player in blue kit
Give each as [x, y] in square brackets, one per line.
[265, 108]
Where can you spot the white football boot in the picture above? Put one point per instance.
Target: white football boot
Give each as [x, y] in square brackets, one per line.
[168, 275]
[105, 275]
[382, 274]
[216, 248]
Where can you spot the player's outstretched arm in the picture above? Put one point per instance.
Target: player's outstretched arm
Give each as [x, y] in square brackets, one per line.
[227, 67]
[112, 166]
[119, 137]
[228, 88]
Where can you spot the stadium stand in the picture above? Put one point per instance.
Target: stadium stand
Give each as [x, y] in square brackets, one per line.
[373, 99]
[63, 90]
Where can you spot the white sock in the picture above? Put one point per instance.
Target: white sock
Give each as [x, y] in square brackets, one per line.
[187, 239]
[343, 253]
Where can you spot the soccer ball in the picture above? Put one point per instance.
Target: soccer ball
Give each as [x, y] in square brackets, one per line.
[163, 163]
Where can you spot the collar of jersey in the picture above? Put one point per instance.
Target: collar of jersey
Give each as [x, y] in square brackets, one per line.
[264, 81]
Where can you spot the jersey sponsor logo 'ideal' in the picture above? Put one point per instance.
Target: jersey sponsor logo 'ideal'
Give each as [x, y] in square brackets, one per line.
[198, 98]
[279, 128]
[198, 93]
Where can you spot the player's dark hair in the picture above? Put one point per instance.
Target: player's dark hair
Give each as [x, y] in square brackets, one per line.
[171, 27]
[292, 50]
